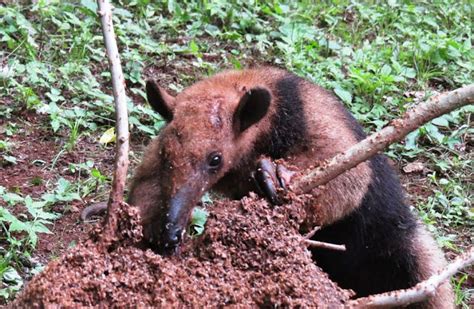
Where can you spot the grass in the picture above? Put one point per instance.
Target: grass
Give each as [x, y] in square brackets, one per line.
[379, 59]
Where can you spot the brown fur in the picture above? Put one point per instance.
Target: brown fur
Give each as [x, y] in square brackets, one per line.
[330, 135]
[431, 261]
[204, 121]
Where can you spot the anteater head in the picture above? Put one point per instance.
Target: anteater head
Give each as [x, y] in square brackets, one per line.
[211, 127]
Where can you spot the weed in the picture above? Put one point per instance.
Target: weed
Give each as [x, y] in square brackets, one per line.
[462, 297]
[20, 234]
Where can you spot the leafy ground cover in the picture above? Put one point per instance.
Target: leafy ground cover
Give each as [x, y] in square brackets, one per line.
[56, 112]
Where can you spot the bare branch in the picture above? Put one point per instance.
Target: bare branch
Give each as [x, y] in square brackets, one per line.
[397, 130]
[312, 232]
[121, 116]
[419, 292]
[325, 245]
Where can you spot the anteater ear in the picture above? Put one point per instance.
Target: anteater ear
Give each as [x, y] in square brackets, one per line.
[252, 107]
[160, 100]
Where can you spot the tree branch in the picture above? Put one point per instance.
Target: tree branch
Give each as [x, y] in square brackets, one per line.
[325, 245]
[312, 232]
[121, 115]
[378, 141]
[419, 292]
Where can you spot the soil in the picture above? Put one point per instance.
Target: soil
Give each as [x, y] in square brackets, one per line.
[33, 150]
[38, 168]
[251, 254]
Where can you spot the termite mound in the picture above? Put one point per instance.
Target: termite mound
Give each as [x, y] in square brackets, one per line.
[250, 254]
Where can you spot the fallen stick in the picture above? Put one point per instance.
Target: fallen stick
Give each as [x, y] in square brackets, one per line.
[378, 141]
[419, 292]
[121, 116]
[324, 245]
[312, 232]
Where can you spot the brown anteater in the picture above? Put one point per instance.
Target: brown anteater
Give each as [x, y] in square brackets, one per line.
[218, 130]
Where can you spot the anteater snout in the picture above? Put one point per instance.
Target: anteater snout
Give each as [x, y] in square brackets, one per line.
[171, 238]
[177, 217]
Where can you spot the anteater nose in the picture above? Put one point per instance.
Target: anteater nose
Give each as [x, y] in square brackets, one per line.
[172, 238]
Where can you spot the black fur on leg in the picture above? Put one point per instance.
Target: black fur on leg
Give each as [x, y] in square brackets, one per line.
[376, 235]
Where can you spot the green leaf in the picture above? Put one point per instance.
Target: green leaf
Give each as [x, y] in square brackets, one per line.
[90, 5]
[6, 216]
[10, 275]
[344, 95]
[96, 173]
[38, 227]
[441, 121]
[122, 12]
[63, 185]
[17, 226]
[410, 139]
[55, 124]
[193, 47]
[32, 238]
[198, 221]
[408, 72]
[434, 132]
[37, 211]
[386, 70]
[12, 198]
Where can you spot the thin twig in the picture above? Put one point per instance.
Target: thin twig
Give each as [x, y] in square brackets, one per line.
[324, 245]
[397, 130]
[121, 115]
[419, 292]
[312, 232]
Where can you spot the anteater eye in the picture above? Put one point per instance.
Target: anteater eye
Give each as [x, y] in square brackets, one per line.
[214, 161]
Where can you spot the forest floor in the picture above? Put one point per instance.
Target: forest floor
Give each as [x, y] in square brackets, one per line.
[56, 112]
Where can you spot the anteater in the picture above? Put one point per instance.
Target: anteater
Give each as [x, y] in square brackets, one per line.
[216, 134]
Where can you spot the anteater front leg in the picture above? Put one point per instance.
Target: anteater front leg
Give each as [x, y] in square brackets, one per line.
[270, 176]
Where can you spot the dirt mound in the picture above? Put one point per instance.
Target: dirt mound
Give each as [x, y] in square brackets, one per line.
[251, 254]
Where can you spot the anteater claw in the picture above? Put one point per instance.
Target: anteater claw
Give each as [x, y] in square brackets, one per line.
[284, 176]
[269, 176]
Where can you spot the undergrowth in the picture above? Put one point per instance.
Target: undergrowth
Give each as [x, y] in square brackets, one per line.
[379, 59]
